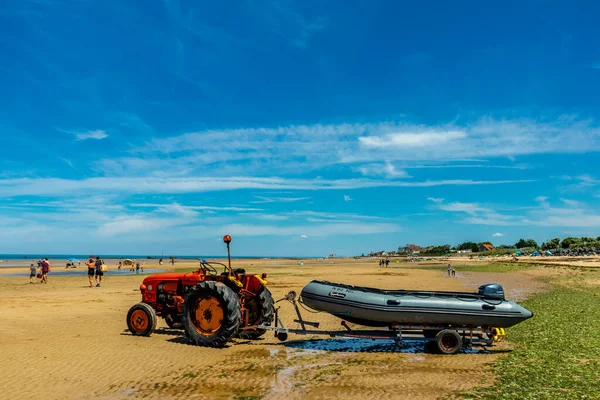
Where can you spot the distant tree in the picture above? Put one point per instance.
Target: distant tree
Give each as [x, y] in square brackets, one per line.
[474, 247]
[506, 246]
[551, 244]
[587, 241]
[570, 243]
[522, 243]
[437, 250]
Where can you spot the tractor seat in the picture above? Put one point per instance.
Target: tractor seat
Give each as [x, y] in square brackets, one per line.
[237, 271]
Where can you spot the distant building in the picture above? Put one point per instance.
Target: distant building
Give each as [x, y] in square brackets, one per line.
[464, 251]
[413, 249]
[486, 247]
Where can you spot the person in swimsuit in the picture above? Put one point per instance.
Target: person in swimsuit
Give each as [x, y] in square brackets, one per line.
[91, 265]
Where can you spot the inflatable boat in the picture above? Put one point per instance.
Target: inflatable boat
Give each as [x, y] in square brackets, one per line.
[375, 307]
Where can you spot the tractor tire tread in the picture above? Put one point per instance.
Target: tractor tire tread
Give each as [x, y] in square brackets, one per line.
[232, 314]
[267, 307]
[147, 308]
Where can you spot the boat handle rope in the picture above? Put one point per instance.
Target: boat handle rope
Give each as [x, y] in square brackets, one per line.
[306, 307]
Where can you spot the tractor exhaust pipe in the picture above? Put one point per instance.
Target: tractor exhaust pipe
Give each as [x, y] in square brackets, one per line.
[227, 240]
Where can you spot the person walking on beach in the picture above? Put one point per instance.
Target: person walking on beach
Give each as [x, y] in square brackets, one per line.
[91, 265]
[137, 267]
[119, 265]
[32, 272]
[45, 270]
[449, 269]
[99, 273]
[387, 263]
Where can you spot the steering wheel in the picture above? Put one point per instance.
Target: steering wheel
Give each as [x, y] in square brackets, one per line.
[208, 268]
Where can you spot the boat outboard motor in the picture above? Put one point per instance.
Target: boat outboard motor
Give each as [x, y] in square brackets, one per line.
[493, 291]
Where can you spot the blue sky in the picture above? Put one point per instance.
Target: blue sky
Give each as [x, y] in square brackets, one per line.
[297, 127]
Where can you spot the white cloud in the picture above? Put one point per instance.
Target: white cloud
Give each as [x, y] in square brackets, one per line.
[264, 199]
[575, 215]
[347, 198]
[125, 225]
[192, 207]
[469, 208]
[572, 203]
[410, 140]
[68, 162]
[150, 185]
[307, 148]
[97, 134]
[498, 234]
[303, 236]
[436, 199]
[270, 217]
[386, 169]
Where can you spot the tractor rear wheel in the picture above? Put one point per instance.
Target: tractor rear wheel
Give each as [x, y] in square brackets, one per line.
[211, 314]
[141, 320]
[261, 310]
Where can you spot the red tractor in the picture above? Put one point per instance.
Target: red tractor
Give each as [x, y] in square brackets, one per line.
[211, 307]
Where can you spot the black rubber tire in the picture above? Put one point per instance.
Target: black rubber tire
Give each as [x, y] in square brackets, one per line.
[150, 326]
[232, 314]
[282, 336]
[266, 306]
[448, 341]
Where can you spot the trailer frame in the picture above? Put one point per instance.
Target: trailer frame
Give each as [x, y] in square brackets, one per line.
[448, 339]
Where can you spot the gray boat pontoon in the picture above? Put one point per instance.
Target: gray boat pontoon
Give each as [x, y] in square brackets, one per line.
[375, 307]
[448, 320]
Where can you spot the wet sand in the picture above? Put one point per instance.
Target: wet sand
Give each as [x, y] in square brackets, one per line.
[64, 340]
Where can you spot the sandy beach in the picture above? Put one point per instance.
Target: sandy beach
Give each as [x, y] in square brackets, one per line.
[65, 340]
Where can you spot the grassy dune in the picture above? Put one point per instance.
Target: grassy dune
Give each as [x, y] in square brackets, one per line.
[558, 352]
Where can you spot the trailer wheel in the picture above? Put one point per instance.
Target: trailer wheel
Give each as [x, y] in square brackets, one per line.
[211, 314]
[261, 310]
[448, 341]
[282, 336]
[141, 320]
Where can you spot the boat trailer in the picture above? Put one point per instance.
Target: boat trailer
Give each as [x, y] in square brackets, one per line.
[446, 339]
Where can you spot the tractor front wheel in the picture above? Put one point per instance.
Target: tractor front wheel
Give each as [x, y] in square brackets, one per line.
[261, 310]
[141, 320]
[211, 314]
